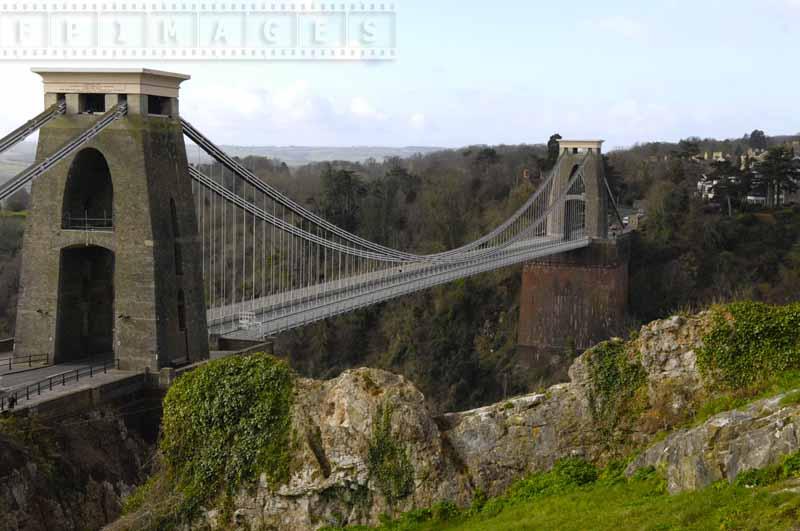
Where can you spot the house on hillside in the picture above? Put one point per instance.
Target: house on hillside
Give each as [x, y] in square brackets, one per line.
[752, 156]
[754, 198]
[640, 206]
[705, 187]
[715, 156]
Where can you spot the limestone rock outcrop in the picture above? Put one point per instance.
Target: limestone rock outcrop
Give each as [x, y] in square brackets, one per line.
[71, 476]
[453, 456]
[725, 445]
[331, 481]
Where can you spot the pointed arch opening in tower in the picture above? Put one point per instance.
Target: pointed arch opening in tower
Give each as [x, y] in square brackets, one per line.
[89, 194]
[574, 219]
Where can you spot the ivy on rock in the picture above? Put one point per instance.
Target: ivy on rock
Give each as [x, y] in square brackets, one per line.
[387, 459]
[225, 424]
[749, 343]
[615, 381]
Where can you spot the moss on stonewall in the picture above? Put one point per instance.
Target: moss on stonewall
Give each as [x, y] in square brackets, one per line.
[615, 382]
[388, 462]
[749, 343]
[225, 424]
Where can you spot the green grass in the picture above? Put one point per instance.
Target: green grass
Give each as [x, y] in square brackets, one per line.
[792, 399]
[573, 498]
[634, 505]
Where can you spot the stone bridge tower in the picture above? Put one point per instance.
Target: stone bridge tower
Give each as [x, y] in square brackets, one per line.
[111, 259]
[573, 300]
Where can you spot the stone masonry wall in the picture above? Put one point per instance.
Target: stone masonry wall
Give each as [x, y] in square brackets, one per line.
[575, 299]
[147, 162]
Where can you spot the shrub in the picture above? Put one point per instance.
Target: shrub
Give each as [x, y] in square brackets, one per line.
[575, 472]
[567, 474]
[226, 423]
[750, 342]
[791, 466]
[758, 477]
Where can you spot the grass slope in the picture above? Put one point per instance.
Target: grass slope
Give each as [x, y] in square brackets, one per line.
[553, 501]
[634, 506]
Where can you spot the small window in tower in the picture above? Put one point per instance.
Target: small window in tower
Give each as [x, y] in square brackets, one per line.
[92, 103]
[158, 106]
[181, 311]
[178, 259]
[176, 236]
[173, 214]
[575, 151]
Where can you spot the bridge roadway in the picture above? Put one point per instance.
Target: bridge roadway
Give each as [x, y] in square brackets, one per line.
[300, 307]
[37, 380]
[278, 313]
[31, 384]
[10, 380]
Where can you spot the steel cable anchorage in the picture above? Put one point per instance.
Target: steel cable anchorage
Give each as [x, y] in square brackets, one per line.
[31, 126]
[37, 169]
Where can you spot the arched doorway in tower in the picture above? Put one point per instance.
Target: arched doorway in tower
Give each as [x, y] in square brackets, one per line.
[574, 219]
[89, 193]
[85, 304]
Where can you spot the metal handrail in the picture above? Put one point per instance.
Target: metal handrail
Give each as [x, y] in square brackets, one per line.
[23, 360]
[9, 400]
[86, 223]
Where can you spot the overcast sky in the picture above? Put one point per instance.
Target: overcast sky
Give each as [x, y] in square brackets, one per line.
[510, 71]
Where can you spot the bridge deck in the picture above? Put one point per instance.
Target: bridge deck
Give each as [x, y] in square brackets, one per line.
[301, 307]
[112, 377]
[32, 385]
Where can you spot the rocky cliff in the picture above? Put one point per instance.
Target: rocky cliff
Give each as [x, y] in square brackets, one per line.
[365, 444]
[69, 475]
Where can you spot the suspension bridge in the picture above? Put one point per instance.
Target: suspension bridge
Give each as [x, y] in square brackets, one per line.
[132, 253]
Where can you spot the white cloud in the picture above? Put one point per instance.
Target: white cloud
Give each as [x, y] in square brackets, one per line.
[22, 97]
[360, 106]
[417, 121]
[620, 25]
[631, 120]
[294, 113]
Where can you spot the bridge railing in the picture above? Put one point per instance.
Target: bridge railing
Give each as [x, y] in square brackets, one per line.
[10, 400]
[86, 223]
[28, 360]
